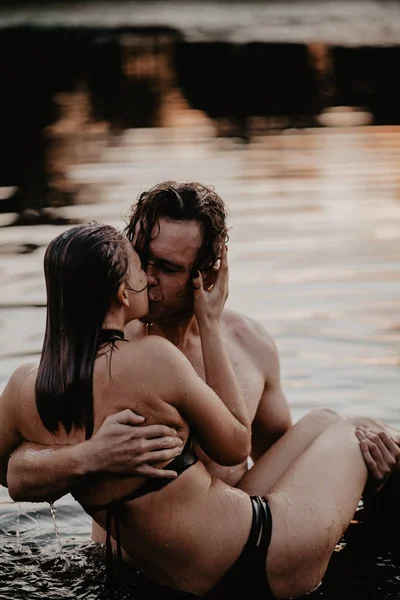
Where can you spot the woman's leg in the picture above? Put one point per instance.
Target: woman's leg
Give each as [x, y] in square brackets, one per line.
[276, 461]
[312, 505]
[270, 467]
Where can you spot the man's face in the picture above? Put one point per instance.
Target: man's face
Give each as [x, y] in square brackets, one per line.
[172, 256]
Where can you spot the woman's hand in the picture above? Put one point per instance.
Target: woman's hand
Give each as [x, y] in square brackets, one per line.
[209, 304]
[381, 454]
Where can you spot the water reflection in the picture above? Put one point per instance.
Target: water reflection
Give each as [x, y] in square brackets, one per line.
[58, 87]
[244, 86]
[364, 77]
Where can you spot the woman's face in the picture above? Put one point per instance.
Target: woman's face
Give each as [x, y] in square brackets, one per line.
[136, 287]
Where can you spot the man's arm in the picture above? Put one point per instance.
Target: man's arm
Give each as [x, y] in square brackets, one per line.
[273, 416]
[45, 473]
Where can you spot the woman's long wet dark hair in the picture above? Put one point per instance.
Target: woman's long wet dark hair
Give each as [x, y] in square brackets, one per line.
[84, 268]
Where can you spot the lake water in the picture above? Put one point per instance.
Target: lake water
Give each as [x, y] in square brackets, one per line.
[314, 256]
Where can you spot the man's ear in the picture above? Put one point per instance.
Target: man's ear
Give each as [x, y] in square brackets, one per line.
[122, 295]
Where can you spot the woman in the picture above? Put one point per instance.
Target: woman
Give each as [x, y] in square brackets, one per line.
[195, 533]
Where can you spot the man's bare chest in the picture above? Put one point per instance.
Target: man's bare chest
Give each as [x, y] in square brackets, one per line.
[249, 375]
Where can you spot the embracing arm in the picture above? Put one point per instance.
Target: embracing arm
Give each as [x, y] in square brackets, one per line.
[45, 473]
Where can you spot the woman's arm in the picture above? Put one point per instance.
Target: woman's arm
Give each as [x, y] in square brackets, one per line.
[216, 412]
[220, 376]
[220, 434]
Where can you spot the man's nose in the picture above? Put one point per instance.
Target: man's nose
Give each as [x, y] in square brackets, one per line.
[152, 275]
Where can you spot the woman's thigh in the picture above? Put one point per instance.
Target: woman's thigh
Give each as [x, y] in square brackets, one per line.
[270, 467]
[312, 505]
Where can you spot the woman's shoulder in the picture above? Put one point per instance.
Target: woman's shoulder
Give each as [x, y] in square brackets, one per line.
[153, 351]
[157, 344]
[146, 345]
[154, 348]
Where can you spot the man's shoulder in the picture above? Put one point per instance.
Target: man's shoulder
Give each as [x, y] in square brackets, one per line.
[247, 331]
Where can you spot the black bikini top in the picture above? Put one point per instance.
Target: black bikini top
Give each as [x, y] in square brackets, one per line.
[111, 335]
[180, 463]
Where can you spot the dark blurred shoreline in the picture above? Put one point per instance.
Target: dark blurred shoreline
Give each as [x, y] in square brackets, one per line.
[269, 66]
[277, 64]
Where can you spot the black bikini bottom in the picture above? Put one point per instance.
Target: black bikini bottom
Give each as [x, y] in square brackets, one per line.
[247, 576]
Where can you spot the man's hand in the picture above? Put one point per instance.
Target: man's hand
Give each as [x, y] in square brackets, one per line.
[121, 447]
[381, 454]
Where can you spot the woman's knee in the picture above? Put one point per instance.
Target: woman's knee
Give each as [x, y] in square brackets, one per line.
[294, 587]
[298, 578]
[325, 416]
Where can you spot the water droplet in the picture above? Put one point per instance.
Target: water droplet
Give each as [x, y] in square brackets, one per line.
[57, 533]
[17, 532]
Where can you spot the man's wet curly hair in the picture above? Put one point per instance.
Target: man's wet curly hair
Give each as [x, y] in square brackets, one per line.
[191, 201]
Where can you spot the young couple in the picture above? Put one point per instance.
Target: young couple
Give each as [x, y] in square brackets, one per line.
[122, 345]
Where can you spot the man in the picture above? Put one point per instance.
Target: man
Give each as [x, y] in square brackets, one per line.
[176, 229]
